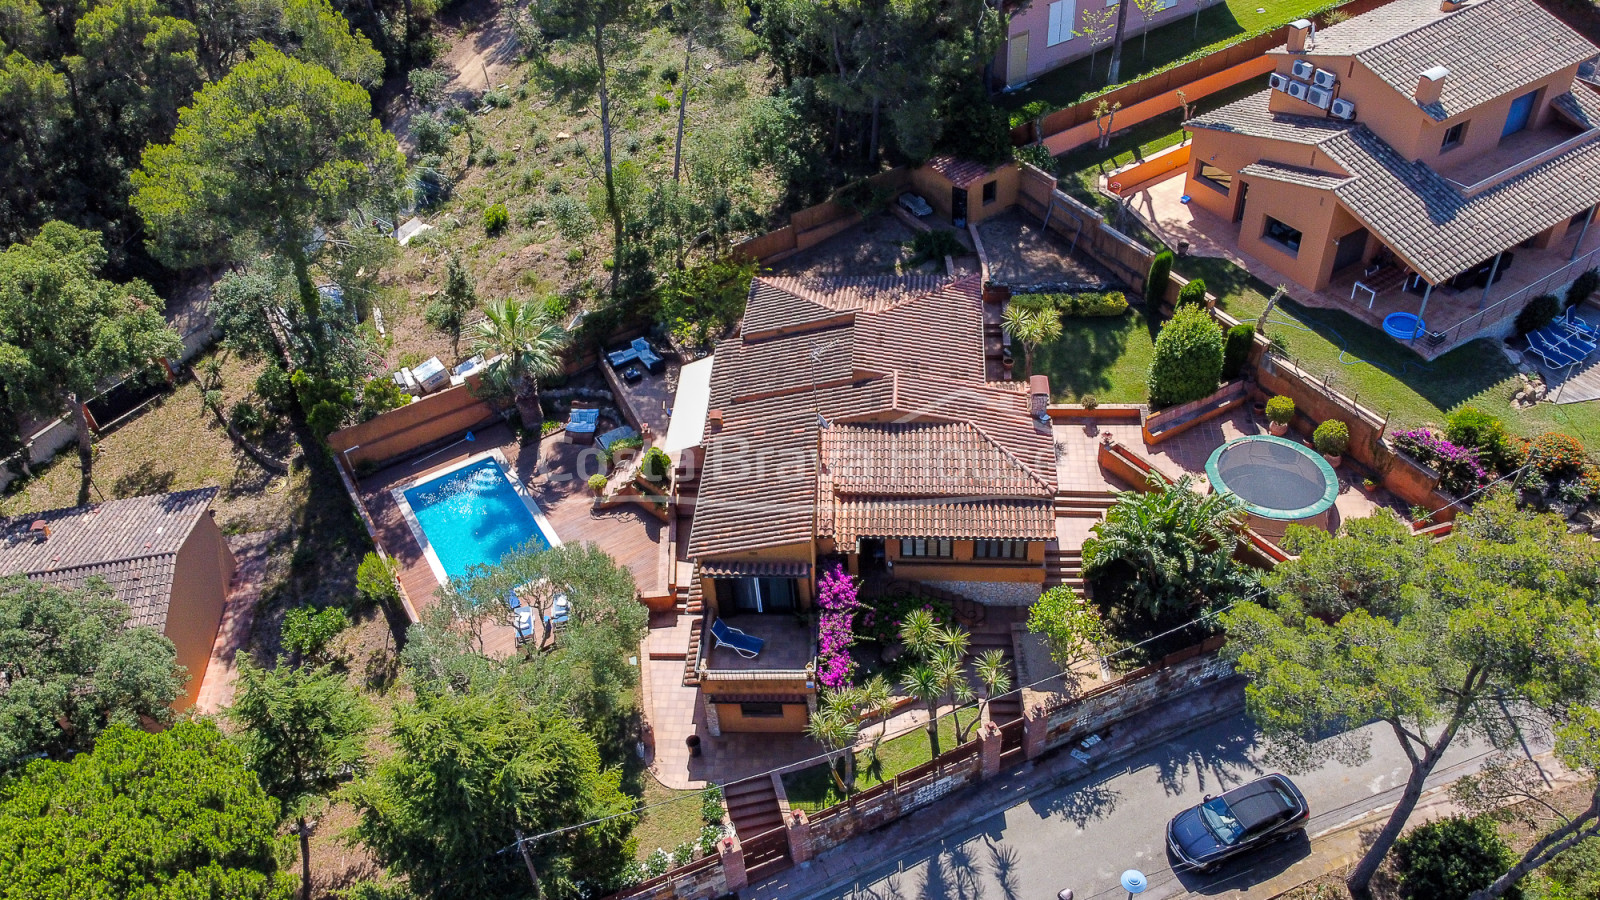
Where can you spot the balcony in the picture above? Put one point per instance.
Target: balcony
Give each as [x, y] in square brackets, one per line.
[790, 646]
[1515, 155]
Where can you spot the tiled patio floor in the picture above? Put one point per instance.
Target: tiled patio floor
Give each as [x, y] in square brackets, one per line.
[238, 614]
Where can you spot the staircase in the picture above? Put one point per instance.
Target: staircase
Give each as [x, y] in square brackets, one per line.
[1063, 567]
[1084, 504]
[689, 604]
[753, 806]
[1008, 707]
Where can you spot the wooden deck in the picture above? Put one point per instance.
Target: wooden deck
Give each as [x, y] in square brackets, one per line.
[631, 537]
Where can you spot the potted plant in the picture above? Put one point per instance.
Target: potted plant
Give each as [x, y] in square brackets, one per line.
[1089, 402]
[1369, 484]
[597, 483]
[1420, 517]
[1280, 412]
[1331, 439]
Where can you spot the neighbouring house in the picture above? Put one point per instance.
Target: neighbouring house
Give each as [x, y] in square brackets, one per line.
[1044, 34]
[163, 555]
[851, 420]
[1410, 149]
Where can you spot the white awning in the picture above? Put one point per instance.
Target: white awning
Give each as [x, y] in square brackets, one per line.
[689, 407]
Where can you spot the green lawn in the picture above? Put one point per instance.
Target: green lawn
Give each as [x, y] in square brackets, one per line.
[1219, 26]
[1384, 375]
[666, 824]
[1104, 357]
[813, 789]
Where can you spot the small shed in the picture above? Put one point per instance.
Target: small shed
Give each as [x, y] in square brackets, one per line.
[964, 191]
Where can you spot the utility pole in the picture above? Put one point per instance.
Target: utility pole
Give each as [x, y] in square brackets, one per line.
[1116, 42]
[527, 858]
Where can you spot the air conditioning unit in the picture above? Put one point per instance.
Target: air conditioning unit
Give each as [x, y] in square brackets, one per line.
[1324, 78]
[1302, 69]
[1343, 109]
[1319, 97]
[1278, 82]
[1298, 89]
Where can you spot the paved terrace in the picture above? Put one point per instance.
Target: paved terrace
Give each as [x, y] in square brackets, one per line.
[629, 535]
[1460, 315]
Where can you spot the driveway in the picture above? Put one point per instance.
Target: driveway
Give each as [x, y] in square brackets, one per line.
[1084, 834]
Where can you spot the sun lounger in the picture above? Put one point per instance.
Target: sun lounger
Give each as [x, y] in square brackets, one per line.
[1571, 341]
[1553, 355]
[522, 621]
[743, 644]
[1575, 324]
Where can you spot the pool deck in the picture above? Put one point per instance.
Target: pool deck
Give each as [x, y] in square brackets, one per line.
[631, 537]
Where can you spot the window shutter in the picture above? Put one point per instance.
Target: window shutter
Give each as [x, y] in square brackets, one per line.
[1062, 16]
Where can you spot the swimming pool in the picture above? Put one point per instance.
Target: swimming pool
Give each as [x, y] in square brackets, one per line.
[472, 515]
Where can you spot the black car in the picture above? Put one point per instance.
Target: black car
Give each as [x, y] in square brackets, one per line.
[1265, 810]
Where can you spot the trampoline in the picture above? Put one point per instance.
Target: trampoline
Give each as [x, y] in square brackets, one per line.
[1278, 482]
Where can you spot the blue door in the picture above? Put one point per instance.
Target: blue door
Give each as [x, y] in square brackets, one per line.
[1521, 111]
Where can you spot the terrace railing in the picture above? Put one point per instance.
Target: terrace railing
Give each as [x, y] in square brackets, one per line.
[1507, 308]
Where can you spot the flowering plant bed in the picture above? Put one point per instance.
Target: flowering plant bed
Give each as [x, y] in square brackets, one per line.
[1459, 470]
[836, 597]
[879, 620]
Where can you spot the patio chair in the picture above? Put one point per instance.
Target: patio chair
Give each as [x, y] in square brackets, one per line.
[512, 600]
[560, 612]
[1553, 356]
[522, 621]
[743, 644]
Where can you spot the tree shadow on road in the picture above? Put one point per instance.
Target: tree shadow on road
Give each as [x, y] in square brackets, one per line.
[1217, 765]
[1080, 804]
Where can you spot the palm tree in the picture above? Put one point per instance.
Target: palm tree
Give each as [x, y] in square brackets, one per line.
[924, 683]
[876, 704]
[834, 725]
[994, 673]
[1031, 328]
[1168, 538]
[527, 342]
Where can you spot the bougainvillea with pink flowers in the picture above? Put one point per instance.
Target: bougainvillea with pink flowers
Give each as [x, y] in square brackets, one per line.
[1460, 471]
[836, 597]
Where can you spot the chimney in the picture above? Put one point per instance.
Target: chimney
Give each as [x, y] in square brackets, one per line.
[1039, 396]
[1450, 6]
[41, 531]
[1430, 85]
[1299, 35]
[714, 420]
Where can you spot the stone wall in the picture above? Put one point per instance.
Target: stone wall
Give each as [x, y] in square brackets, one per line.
[696, 881]
[837, 824]
[992, 593]
[1072, 720]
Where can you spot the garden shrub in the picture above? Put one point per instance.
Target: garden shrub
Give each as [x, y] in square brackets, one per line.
[1280, 410]
[1539, 312]
[571, 216]
[597, 482]
[1470, 426]
[246, 418]
[1582, 288]
[1556, 455]
[1086, 305]
[655, 466]
[880, 620]
[1187, 362]
[1332, 438]
[1449, 859]
[306, 632]
[1460, 471]
[496, 218]
[375, 580]
[935, 245]
[1193, 293]
[1155, 284]
[1038, 156]
[701, 302]
[836, 598]
[1236, 350]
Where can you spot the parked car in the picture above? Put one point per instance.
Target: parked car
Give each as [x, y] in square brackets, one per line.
[1265, 810]
[915, 205]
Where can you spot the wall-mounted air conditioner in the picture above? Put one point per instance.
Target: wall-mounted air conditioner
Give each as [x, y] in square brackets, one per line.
[1343, 109]
[1302, 69]
[1319, 97]
[1324, 78]
[1297, 89]
[1278, 82]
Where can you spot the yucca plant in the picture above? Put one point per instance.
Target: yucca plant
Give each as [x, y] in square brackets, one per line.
[528, 343]
[1166, 537]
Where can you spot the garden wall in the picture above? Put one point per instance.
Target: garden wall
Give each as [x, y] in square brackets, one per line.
[425, 421]
[910, 791]
[815, 224]
[1083, 228]
[1126, 180]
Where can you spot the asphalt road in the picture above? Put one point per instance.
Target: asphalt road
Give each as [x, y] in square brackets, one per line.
[1084, 834]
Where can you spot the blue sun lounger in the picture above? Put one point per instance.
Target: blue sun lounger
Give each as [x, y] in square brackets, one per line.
[747, 646]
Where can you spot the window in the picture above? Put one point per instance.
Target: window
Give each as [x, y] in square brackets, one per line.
[761, 710]
[1219, 180]
[990, 192]
[939, 547]
[1287, 239]
[1453, 136]
[1000, 549]
[1063, 18]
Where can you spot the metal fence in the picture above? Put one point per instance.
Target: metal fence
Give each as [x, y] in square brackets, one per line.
[1507, 308]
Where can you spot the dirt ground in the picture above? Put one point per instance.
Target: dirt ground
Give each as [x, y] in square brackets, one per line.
[1021, 252]
[878, 245]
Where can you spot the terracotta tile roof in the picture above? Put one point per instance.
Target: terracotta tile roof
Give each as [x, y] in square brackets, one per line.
[1295, 175]
[958, 519]
[1425, 218]
[961, 173]
[924, 459]
[719, 569]
[131, 544]
[908, 362]
[1491, 47]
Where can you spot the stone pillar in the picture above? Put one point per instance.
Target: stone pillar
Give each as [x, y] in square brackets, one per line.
[731, 855]
[798, 828]
[989, 749]
[713, 721]
[1033, 731]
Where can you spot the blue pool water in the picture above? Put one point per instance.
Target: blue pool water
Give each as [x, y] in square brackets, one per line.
[473, 517]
